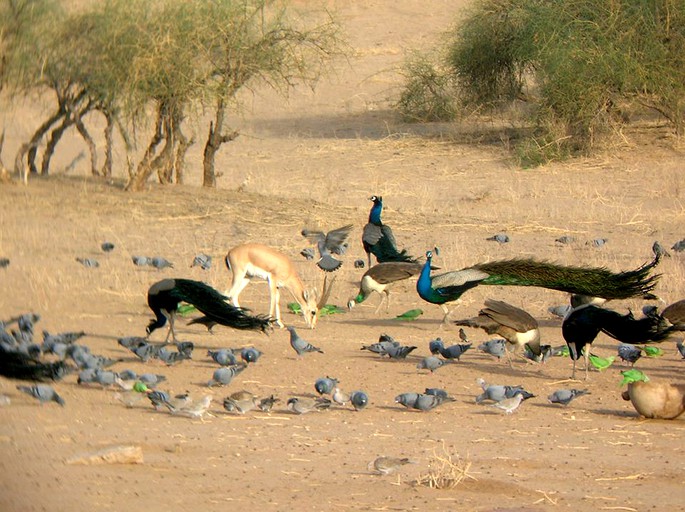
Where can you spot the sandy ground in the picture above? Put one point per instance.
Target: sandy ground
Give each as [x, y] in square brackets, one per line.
[315, 161]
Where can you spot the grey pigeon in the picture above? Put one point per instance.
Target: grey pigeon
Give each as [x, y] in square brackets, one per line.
[86, 376]
[496, 347]
[428, 402]
[565, 396]
[382, 346]
[130, 342]
[387, 465]
[204, 261]
[509, 405]
[107, 246]
[141, 261]
[185, 347]
[680, 345]
[407, 399]
[87, 360]
[158, 398]
[4, 262]
[299, 345]
[565, 239]
[499, 238]
[128, 375]
[266, 404]
[497, 392]
[250, 354]
[223, 356]
[224, 375]
[88, 262]
[437, 392]
[25, 323]
[59, 349]
[419, 401]
[328, 244]
[105, 377]
[598, 242]
[561, 311]
[399, 351]
[431, 363]
[452, 352]
[659, 250]
[359, 400]
[43, 393]
[325, 385]
[308, 253]
[170, 358]
[150, 379]
[679, 246]
[146, 351]
[160, 263]
[629, 353]
[303, 405]
[64, 337]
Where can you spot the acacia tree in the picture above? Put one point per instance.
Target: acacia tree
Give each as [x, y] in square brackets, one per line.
[259, 42]
[32, 60]
[129, 58]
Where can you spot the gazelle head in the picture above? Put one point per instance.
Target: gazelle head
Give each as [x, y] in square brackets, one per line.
[310, 308]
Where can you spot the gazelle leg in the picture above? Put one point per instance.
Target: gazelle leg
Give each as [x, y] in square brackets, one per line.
[274, 306]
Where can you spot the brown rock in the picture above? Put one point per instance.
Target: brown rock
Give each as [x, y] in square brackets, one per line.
[110, 455]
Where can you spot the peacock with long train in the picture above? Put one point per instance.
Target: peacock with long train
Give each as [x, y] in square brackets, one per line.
[589, 281]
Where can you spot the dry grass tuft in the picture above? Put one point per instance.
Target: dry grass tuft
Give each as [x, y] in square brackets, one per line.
[445, 471]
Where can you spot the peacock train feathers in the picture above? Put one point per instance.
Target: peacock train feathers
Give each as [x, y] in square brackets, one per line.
[589, 281]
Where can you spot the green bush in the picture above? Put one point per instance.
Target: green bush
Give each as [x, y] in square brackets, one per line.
[574, 61]
[428, 93]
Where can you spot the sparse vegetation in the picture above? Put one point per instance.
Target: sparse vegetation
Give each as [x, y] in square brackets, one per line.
[584, 66]
[445, 471]
[126, 58]
[429, 93]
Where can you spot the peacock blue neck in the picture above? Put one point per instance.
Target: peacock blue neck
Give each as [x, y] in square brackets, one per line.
[375, 213]
[424, 285]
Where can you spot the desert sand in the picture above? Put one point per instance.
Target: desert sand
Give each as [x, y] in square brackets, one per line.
[314, 161]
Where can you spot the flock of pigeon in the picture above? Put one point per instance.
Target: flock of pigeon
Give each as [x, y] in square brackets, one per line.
[22, 357]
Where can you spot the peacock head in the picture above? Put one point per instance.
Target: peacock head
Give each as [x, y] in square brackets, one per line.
[376, 199]
[429, 254]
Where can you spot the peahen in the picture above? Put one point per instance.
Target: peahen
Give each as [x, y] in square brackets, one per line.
[589, 281]
[515, 325]
[378, 239]
[380, 278]
[587, 319]
[164, 296]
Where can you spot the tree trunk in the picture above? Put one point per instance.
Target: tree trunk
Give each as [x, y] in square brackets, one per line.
[137, 181]
[92, 148]
[54, 138]
[30, 149]
[109, 141]
[214, 141]
[180, 161]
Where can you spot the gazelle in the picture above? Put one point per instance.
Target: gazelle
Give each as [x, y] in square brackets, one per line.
[251, 260]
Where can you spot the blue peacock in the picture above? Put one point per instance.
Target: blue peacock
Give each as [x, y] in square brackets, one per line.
[589, 281]
[378, 238]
